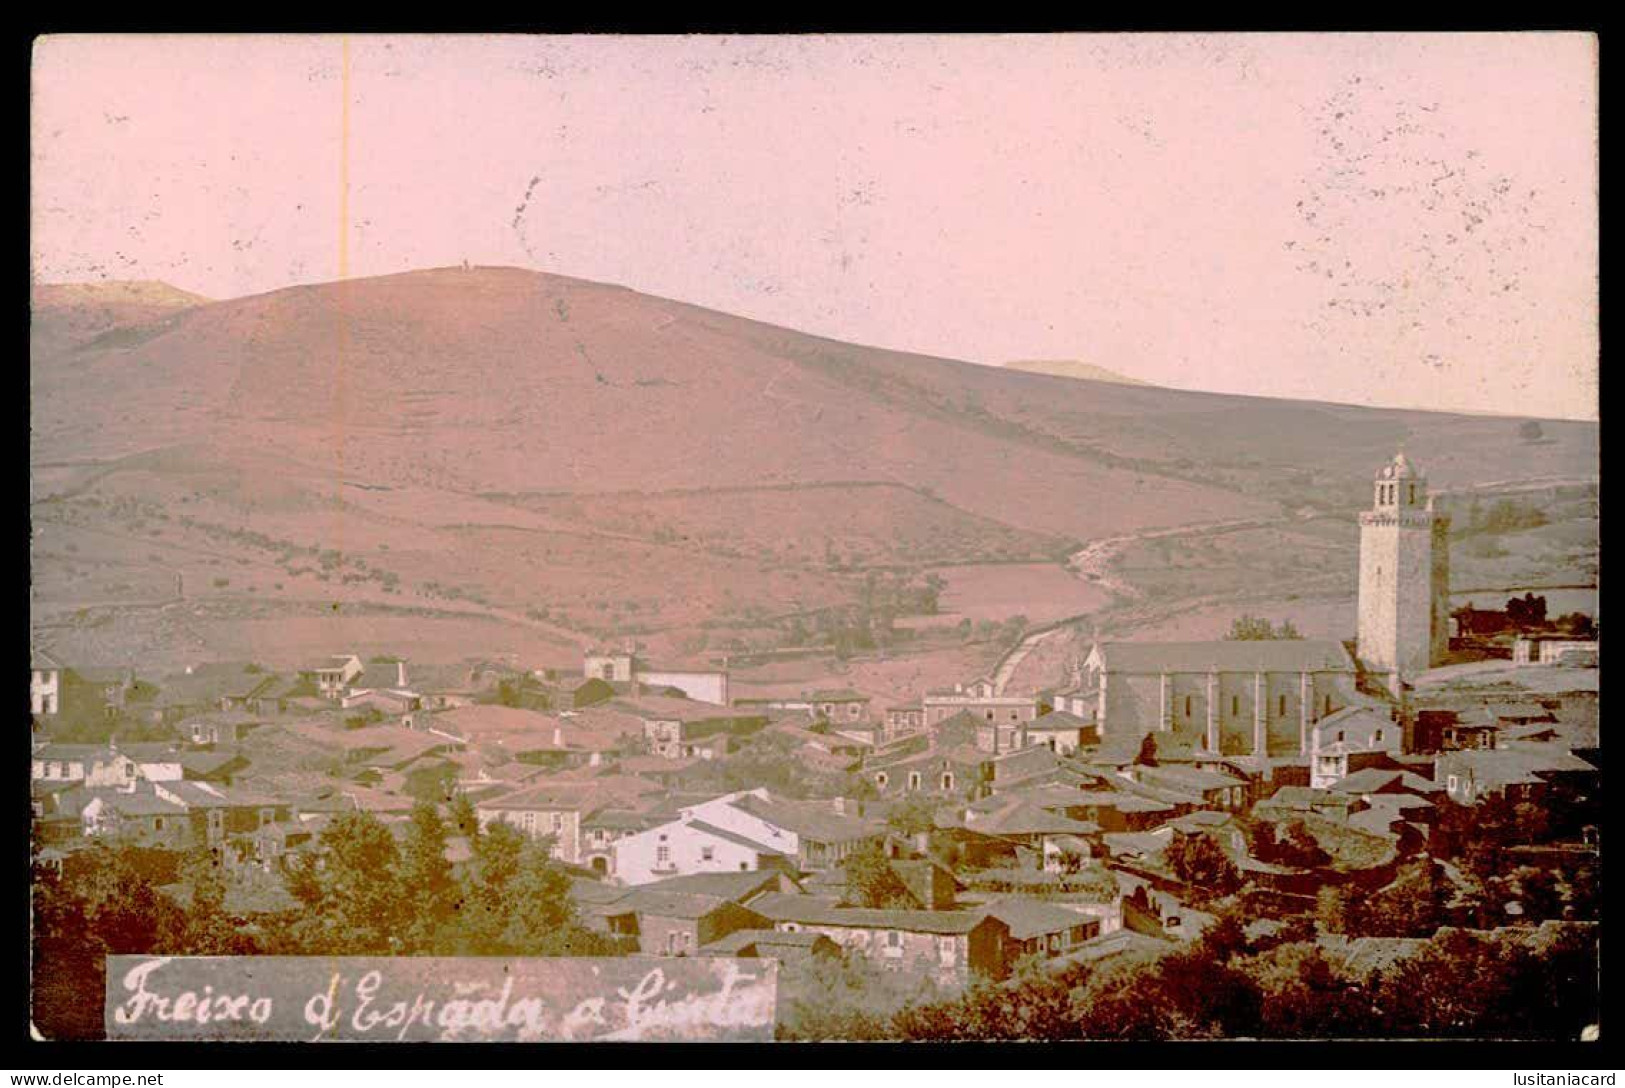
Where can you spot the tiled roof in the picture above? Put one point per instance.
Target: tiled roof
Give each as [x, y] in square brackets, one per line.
[810, 819]
[733, 837]
[1372, 779]
[476, 720]
[139, 803]
[1028, 918]
[1227, 655]
[670, 904]
[1525, 763]
[1057, 720]
[741, 939]
[1025, 818]
[1178, 777]
[814, 910]
[734, 886]
[670, 708]
[1304, 798]
[205, 795]
[582, 795]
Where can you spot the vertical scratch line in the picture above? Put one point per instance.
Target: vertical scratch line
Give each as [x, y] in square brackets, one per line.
[341, 361]
[344, 161]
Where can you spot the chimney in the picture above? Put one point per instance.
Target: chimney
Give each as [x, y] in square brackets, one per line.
[558, 736]
[839, 805]
[400, 673]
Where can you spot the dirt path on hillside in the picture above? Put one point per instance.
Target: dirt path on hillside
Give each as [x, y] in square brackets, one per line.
[1092, 563]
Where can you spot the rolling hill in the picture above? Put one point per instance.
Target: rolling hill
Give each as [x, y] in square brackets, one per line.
[563, 460]
[1072, 368]
[67, 315]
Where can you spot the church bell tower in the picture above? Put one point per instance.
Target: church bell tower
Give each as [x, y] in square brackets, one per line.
[1404, 575]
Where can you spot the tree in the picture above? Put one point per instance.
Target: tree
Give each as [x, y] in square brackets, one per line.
[914, 814]
[1577, 625]
[1337, 909]
[1296, 929]
[203, 928]
[1301, 994]
[541, 914]
[1411, 906]
[355, 903]
[872, 882]
[461, 817]
[1298, 847]
[1250, 628]
[1147, 756]
[1199, 861]
[427, 873]
[1527, 612]
[487, 890]
[431, 783]
[1225, 937]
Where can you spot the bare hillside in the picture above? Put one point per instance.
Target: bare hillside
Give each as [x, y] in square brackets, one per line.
[571, 459]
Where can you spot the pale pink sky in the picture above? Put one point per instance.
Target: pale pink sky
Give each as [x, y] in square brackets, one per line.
[1390, 219]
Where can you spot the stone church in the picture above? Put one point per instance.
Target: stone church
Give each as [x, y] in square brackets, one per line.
[1264, 698]
[1252, 698]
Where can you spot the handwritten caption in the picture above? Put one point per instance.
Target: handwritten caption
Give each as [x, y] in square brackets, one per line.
[437, 999]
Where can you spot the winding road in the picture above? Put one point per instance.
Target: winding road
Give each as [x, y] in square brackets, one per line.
[1093, 561]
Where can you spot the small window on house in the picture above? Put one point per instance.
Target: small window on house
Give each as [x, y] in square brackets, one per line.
[894, 939]
[1376, 738]
[129, 770]
[947, 781]
[881, 780]
[708, 853]
[990, 715]
[157, 823]
[662, 854]
[914, 780]
[1340, 736]
[1451, 783]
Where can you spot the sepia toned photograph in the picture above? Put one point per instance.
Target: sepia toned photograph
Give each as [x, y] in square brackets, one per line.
[813, 538]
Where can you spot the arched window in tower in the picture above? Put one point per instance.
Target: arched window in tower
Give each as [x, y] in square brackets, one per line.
[1410, 494]
[1280, 706]
[1187, 706]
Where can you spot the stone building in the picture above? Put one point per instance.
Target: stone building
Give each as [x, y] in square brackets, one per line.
[1234, 697]
[982, 698]
[1404, 606]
